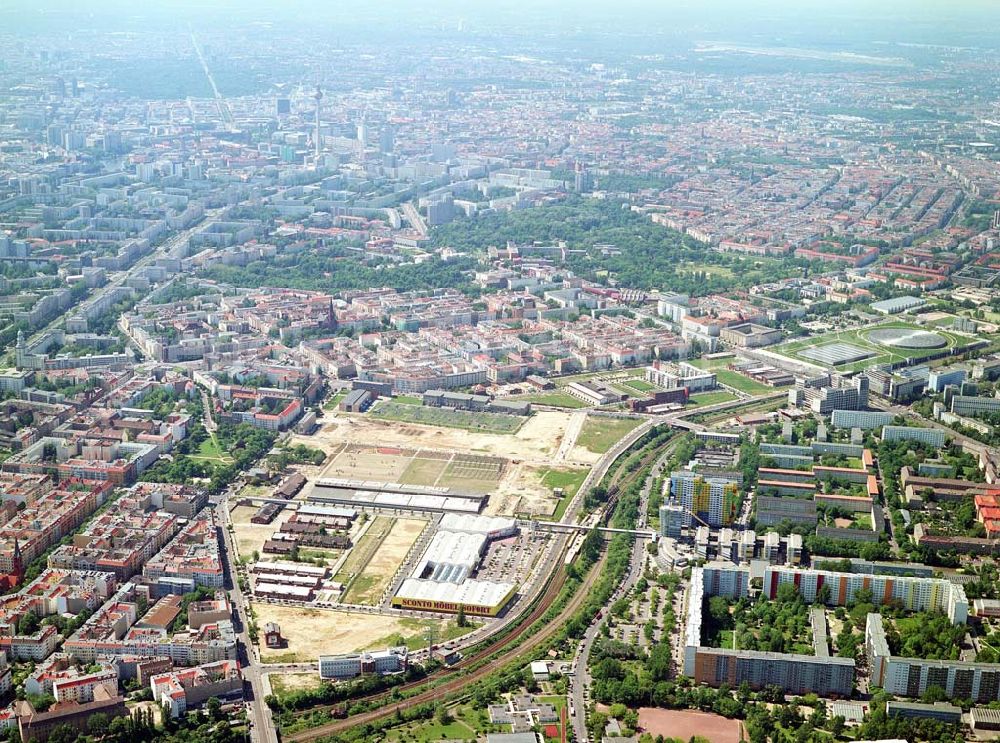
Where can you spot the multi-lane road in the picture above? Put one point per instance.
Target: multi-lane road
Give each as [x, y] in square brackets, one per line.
[262, 725]
[579, 681]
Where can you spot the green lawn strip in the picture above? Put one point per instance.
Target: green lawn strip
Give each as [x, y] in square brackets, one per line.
[640, 384]
[558, 701]
[710, 398]
[210, 450]
[332, 403]
[552, 399]
[599, 434]
[570, 481]
[430, 730]
[360, 586]
[363, 550]
[415, 637]
[741, 383]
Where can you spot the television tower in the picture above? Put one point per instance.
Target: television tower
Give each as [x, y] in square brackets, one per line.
[318, 95]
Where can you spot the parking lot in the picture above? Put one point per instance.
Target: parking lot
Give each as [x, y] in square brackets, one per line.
[512, 559]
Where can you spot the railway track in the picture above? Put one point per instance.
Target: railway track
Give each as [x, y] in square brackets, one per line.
[453, 679]
[456, 679]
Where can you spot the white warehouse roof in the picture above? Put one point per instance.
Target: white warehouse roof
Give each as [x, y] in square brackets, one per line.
[471, 592]
[475, 524]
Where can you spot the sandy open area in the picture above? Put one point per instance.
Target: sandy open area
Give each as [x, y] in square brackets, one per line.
[546, 436]
[285, 682]
[376, 575]
[537, 440]
[313, 632]
[522, 492]
[683, 724]
[251, 537]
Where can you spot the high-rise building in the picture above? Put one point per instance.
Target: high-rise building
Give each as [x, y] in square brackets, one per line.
[712, 500]
[672, 519]
[386, 140]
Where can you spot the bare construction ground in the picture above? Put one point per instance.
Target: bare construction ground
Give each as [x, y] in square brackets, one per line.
[313, 632]
[285, 683]
[377, 574]
[250, 537]
[517, 489]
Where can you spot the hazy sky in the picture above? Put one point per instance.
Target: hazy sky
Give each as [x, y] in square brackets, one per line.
[844, 23]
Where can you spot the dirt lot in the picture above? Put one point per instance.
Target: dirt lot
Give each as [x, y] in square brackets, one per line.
[313, 632]
[251, 537]
[684, 724]
[537, 440]
[283, 683]
[475, 473]
[520, 489]
[367, 588]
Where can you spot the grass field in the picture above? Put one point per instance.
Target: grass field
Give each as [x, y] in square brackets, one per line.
[737, 381]
[710, 398]
[332, 403]
[639, 384]
[211, 451]
[466, 724]
[730, 378]
[363, 550]
[369, 585]
[569, 480]
[284, 683]
[554, 399]
[430, 416]
[882, 354]
[408, 400]
[413, 633]
[599, 433]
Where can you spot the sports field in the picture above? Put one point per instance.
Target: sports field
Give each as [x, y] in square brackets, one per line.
[467, 472]
[431, 416]
[376, 574]
[858, 340]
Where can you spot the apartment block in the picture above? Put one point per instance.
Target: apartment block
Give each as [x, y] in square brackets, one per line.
[930, 436]
[911, 677]
[339, 667]
[192, 556]
[183, 689]
[863, 419]
[714, 500]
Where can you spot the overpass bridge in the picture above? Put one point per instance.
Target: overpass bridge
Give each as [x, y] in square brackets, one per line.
[562, 528]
